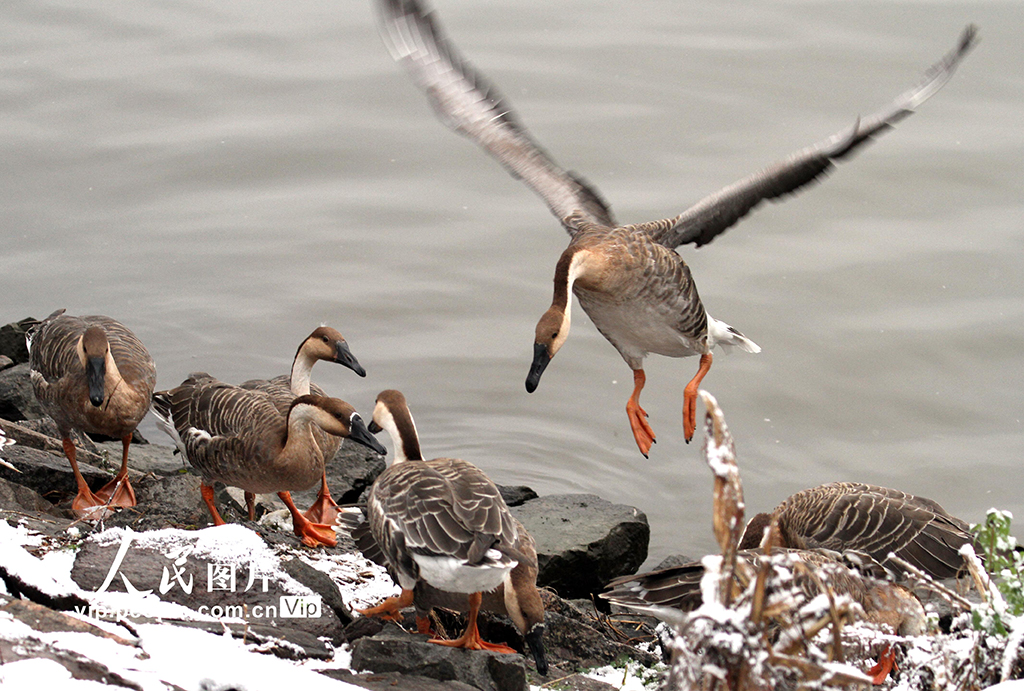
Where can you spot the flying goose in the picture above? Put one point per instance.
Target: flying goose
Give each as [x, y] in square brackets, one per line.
[877, 521]
[443, 523]
[237, 436]
[94, 375]
[628, 279]
[667, 592]
[327, 344]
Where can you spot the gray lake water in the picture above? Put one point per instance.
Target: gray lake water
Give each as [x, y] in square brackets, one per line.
[224, 176]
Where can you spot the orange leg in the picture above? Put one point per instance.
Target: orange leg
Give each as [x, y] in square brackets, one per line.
[323, 510]
[642, 432]
[312, 534]
[391, 608]
[207, 492]
[470, 639]
[886, 663]
[690, 398]
[423, 626]
[250, 505]
[119, 492]
[85, 503]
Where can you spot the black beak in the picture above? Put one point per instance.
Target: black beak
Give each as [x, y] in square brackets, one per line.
[535, 642]
[344, 356]
[540, 362]
[95, 373]
[359, 433]
[374, 428]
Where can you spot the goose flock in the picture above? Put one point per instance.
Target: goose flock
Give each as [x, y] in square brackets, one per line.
[441, 526]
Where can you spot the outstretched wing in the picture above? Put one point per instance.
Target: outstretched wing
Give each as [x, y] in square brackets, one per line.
[468, 104]
[714, 214]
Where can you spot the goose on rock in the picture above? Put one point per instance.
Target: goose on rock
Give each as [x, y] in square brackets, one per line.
[237, 436]
[629, 280]
[446, 533]
[325, 344]
[94, 375]
[875, 521]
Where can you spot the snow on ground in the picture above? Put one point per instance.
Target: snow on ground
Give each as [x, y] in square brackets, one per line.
[189, 658]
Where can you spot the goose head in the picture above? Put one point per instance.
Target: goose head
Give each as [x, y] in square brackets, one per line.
[328, 344]
[553, 327]
[391, 414]
[93, 350]
[336, 417]
[552, 330]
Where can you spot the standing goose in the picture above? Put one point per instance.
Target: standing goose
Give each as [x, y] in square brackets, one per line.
[877, 521]
[443, 523]
[327, 344]
[237, 436]
[94, 375]
[628, 279]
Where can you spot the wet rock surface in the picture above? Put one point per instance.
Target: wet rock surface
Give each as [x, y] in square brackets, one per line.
[584, 541]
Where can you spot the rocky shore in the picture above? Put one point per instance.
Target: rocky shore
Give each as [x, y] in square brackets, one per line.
[160, 573]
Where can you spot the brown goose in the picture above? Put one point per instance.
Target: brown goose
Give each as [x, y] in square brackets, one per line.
[237, 436]
[628, 279]
[667, 592]
[442, 523]
[92, 374]
[877, 521]
[326, 344]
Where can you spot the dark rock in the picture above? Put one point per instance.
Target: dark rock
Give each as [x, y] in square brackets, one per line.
[137, 438]
[673, 560]
[42, 434]
[394, 681]
[48, 473]
[5, 362]
[145, 457]
[321, 584]
[12, 339]
[164, 501]
[232, 583]
[79, 666]
[516, 495]
[584, 541]
[22, 499]
[577, 637]
[578, 682]
[363, 626]
[18, 587]
[45, 620]
[286, 642]
[17, 400]
[394, 650]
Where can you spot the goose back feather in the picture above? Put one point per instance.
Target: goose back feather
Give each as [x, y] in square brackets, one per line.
[877, 521]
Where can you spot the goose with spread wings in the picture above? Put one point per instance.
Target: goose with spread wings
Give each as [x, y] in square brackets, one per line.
[629, 279]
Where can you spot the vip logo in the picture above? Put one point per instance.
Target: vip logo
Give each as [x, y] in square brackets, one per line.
[300, 606]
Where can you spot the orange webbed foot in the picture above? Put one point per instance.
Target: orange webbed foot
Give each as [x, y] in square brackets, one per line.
[316, 534]
[118, 492]
[642, 432]
[89, 506]
[886, 664]
[324, 510]
[471, 640]
[391, 608]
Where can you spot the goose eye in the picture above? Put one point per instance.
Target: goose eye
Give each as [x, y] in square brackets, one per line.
[325, 339]
[554, 335]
